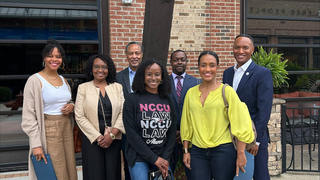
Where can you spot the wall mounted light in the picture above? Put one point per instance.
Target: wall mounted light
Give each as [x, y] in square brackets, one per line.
[127, 2]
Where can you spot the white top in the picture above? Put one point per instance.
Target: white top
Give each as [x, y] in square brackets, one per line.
[175, 79]
[54, 97]
[238, 73]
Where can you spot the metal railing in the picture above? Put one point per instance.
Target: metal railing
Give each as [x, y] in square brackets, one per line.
[300, 134]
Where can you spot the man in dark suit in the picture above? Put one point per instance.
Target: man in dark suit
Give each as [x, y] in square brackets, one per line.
[254, 86]
[134, 53]
[180, 83]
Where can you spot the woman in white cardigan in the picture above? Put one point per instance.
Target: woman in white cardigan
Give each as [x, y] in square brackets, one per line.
[46, 115]
[98, 113]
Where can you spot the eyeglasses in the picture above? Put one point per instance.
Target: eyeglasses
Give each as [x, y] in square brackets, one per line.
[103, 67]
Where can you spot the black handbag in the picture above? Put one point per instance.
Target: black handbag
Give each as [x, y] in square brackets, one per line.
[157, 175]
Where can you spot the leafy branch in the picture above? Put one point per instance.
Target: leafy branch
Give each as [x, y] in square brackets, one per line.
[275, 63]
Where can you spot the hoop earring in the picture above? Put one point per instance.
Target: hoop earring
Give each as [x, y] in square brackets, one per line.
[43, 64]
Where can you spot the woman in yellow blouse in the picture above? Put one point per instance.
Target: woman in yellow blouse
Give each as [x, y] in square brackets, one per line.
[205, 125]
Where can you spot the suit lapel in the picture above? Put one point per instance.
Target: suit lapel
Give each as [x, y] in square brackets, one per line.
[127, 81]
[185, 85]
[229, 77]
[173, 89]
[246, 76]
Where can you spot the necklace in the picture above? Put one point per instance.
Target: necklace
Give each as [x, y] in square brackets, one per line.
[52, 80]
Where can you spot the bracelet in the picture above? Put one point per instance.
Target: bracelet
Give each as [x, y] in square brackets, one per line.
[113, 137]
[185, 150]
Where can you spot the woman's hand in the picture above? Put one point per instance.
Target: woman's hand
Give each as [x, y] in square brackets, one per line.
[241, 162]
[100, 140]
[186, 154]
[241, 157]
[67, 109]
[107, 141]
[163, 166]
[38, 153]
[104, 141]
[186, 160]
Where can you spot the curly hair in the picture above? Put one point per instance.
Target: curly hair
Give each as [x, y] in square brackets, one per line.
[215, 55]
[111, 78]
[138, 84]
[51, 44]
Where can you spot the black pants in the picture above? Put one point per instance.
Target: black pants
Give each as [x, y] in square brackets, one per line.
[99, 163]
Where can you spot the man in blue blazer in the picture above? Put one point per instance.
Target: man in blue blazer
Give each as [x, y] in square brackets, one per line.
[254, 86]
[134, 53]
[180, 83]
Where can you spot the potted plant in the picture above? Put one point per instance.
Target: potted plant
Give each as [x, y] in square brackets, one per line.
[275, 63]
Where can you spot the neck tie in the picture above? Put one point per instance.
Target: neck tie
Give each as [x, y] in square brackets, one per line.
[179, 87]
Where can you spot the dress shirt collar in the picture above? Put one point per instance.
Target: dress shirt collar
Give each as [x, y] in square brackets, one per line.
[175, 75]
[244, 67]
[131, 71]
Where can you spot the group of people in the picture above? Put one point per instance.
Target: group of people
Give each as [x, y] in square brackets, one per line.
[156, 119]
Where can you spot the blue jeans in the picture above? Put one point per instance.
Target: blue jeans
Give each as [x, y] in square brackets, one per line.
[140, 171]
[249, 168]
[218, 163]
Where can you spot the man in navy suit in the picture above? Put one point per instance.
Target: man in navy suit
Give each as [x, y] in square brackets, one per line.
[180, 83]
[134, 53]
[254, 86]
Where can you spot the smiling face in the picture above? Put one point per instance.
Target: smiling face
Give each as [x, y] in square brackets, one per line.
[99, 70]
[134, 56]
[179, 63]
[54, 60]
[208, 68]
[153, 78]
[242, 50]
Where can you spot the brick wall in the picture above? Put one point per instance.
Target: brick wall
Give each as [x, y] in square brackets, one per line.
[126, 24]
[205, 25]
[197, 25]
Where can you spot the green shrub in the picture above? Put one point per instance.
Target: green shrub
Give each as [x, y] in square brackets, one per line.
[275, 63]
[5, 94]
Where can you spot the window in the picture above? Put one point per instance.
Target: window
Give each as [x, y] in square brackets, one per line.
[291, 28]
[25, 26]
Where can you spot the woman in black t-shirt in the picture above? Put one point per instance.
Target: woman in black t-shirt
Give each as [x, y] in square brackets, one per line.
[149, 122]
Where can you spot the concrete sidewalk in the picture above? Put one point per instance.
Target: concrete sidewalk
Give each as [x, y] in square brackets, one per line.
[22, 175]
[297, 176]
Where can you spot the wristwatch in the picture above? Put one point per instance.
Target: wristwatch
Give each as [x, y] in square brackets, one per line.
[113, 137]
[185, 150]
